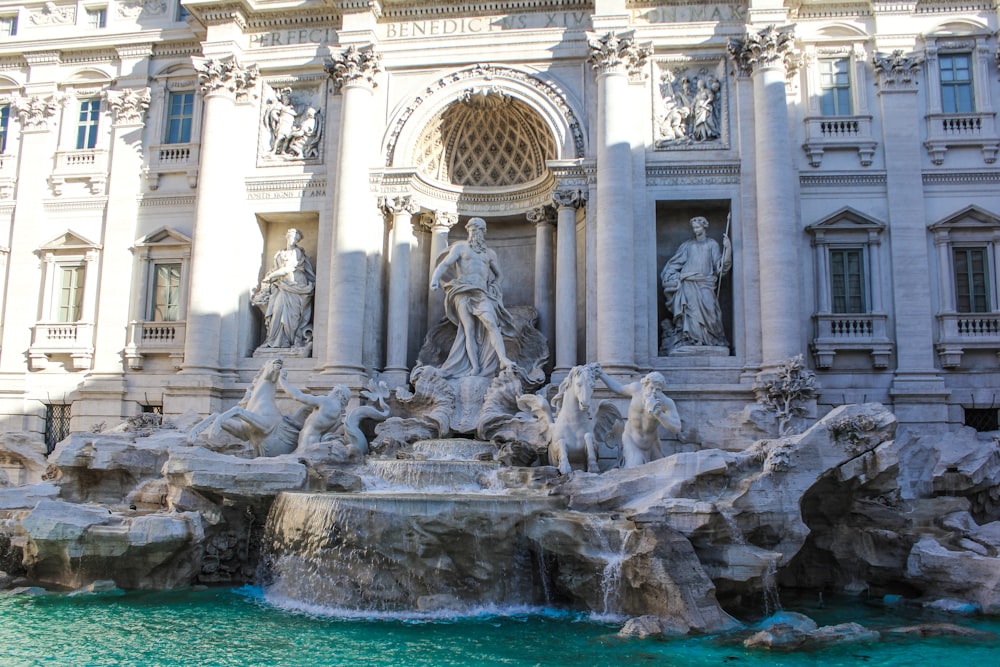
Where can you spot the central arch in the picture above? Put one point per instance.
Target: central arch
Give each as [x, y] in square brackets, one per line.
[477, 140]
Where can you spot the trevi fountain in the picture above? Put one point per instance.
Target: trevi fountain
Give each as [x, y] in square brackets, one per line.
[482, 488]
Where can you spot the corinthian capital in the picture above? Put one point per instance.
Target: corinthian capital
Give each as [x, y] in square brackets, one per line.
[769, 47]
[225, 74]
[617, 53]
[896, 70]
[34, 112]
[398, 204]
[127, 105]
[440, 221]
[569, 198]
[354, 65]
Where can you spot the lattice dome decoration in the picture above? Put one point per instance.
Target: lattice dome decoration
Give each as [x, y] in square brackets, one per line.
[486, 138]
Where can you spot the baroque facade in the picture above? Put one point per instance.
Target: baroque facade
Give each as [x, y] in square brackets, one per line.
[155, 155]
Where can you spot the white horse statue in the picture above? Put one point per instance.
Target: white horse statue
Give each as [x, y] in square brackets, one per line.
[256, 419]
[579, 427]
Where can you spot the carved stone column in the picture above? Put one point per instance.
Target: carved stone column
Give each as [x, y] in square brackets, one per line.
[762, 54]
[398, 317]
[918, 390]
[567, 202]
[353, 71]
[440, 224]
[222, 81]
[614, 58]
[36, 115]
[543, 218]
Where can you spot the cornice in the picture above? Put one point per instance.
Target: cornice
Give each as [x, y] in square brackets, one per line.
[146, 202]
[843, 180]
[171, 49]
[402, 10]
[89, 204]
[961, 177]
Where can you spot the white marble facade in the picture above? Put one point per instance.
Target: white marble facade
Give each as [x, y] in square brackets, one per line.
[155, 156]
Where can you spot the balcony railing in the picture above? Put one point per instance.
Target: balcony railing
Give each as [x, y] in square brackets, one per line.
[840, 332]
[976, 130]
[966, 331]
[824, 133]
[75, 339]
[89, 165]
[148, 338]
[82, 162]
[172, 159]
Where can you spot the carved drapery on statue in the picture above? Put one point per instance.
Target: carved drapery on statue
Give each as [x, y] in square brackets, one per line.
[690, 280]
[285, 297]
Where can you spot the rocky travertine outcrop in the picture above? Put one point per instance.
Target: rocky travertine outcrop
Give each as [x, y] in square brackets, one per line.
[848, 505]
[70, 545]
[739, 510]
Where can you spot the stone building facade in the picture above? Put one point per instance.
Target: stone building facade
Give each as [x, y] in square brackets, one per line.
[154, 155]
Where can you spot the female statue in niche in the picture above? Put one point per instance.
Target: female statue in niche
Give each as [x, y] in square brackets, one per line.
[286, 294]
[690, 279]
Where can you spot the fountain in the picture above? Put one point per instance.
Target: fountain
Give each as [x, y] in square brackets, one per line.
[476, 487]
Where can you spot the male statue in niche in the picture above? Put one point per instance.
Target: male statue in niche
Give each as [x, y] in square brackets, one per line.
[690, 286]
[473, 301]
[285, 296]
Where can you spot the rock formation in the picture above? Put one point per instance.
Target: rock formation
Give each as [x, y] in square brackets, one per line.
[850, 505]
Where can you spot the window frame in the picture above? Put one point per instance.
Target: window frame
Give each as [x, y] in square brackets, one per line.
[840, 332]
[12, 21]
[88, 124]
[148, 335]
[949, 128]
[181, 117]
[170, 309]
[4, 126]
[864, 287]
[835, 89]
[95, 17]
[960, 330]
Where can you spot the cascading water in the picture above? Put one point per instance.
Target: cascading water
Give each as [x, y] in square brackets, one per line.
[428, 533]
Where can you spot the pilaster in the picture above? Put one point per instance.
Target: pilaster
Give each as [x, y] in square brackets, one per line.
[918, 389]
[615, 57]
[224, 82]
[763, 55]
[37, 115]
[353, 71]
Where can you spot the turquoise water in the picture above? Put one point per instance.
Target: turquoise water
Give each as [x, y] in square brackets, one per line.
[238, 627]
